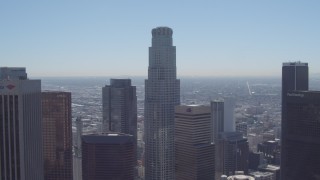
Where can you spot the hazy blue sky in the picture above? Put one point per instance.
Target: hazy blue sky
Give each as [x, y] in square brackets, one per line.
[103, 38]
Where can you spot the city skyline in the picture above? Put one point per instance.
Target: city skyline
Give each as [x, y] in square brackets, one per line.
[228, 38]
[264, 103]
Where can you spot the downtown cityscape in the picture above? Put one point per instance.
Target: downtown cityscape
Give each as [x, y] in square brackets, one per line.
[160, 128]
[160, 90]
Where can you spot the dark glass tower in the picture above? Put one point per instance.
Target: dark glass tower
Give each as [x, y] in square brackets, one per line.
[57, 135]
[119, 103]
[108, 156]
[232, 152]
[217, 111]
[301, 140]
[119, 108]
[162, 94]
[295, 76]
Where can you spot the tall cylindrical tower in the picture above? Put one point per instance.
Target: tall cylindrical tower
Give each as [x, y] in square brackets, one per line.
[162, 94]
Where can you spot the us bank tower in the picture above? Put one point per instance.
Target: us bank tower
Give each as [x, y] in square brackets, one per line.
[162, 94]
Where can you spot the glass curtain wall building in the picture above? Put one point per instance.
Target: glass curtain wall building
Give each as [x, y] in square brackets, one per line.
[57, 135]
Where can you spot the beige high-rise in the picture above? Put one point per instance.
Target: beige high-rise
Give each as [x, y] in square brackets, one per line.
[193, 144]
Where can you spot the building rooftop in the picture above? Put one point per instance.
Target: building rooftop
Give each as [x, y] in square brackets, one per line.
[297, 63]
[162, 30]
[261, 174]
[231, 136]
[108, 138]
[270, 167]
[240, 177]
[13, 73]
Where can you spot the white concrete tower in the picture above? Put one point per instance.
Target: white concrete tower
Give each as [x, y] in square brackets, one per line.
[162, 94]
[229, 121]
[77, 158]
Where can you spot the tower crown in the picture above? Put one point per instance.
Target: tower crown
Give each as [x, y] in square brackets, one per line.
[161, 31]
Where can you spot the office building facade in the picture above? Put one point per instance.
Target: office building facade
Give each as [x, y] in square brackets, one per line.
[243, 128]
[10, 73]
[217, 111]
[57, 135]
[301, 137]
[295, 76]
[194, 148]
[232, 153]
[270, 149]
[231, 148]
[229, 121]
[108, 156]
[77, 155]
[162, 94]
[223, 116]
[20, 128]
[119, 107]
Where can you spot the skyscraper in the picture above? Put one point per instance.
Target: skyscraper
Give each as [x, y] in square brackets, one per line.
[77, 155]
[217, 111]
[13, 73]
[295, 76]
[119, 104]
[301, 138]
[231, 148]
[222, 116]
[194, 148]
[21, 156]
[57, 135]
[232, 153]
[243, 128]
[119, 108]
[162, 94]
[108, 156]
[229, 122]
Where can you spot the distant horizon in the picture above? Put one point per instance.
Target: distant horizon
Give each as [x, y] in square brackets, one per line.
[140, 76]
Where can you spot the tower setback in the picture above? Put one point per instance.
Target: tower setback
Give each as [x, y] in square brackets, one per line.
[162, 94]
